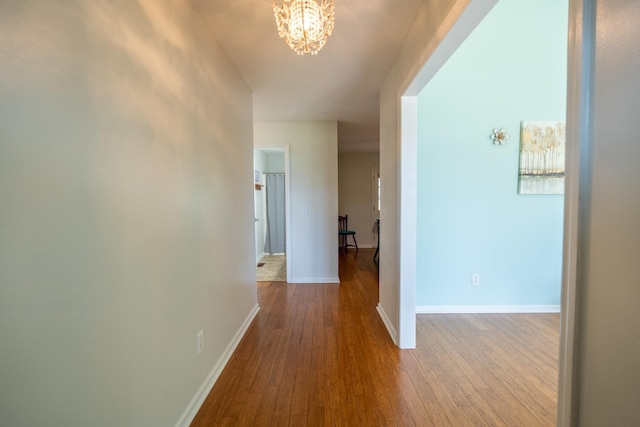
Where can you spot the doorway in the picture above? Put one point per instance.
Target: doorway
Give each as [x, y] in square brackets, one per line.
[271, 204]
[375, 203]
[409, 118]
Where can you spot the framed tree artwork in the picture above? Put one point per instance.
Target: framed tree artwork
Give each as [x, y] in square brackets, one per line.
[542, 151]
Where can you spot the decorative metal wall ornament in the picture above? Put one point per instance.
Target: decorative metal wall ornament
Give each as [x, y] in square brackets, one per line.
[499, 136]
[305, 25]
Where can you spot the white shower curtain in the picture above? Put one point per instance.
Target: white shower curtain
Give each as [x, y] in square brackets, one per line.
[275, 239]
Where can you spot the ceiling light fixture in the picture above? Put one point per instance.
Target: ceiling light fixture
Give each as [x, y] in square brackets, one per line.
[304, 24]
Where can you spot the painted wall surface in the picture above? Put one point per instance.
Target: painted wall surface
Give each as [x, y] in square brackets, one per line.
[355, 193]
[126, 210]
[260, 164]
[431, 23]
[609, 284]
[275, 163]
[471, 219]
[313, 158]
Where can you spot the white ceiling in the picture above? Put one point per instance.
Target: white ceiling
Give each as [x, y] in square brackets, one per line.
[342, 82]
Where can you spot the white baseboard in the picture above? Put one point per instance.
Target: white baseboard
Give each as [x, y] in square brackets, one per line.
[262, 255]
[433, 309]
[387, 324]
[202, 393]
[314, 280]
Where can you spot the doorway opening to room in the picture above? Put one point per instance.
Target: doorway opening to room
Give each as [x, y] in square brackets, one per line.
[444, 180]
[375, 206]
[271, 202]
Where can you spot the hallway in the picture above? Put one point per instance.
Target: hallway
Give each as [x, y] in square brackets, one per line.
[320, 355]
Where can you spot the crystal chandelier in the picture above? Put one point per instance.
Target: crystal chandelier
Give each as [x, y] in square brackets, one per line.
[304, 24]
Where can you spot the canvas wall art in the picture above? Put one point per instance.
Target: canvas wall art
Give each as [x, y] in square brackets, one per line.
[542, 151]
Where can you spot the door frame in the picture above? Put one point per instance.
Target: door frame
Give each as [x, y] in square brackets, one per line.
[375, 173]
[287, 198]
[581, 43]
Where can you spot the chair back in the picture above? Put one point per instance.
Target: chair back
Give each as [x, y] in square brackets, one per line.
[343, 224]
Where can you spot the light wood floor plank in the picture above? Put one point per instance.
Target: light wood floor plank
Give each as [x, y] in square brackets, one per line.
[319, 355]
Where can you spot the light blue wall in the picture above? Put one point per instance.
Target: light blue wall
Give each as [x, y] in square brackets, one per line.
[275, 162]
[470, 217]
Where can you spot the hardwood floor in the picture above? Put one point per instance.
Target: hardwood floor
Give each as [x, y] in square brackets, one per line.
[319, 355]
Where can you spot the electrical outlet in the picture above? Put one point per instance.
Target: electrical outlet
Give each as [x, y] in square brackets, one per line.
[199, 342]
[475, 279]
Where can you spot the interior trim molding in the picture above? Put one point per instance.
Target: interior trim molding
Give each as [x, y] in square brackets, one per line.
[486, 309]
[581, 54]
[387, 324]
[291, 257]
[196, 402]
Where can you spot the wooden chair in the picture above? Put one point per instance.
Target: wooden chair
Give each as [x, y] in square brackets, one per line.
[344, 232]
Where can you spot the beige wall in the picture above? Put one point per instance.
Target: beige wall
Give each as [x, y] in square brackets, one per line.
[126, 212]
[355, 197]
[609, 271]
[313, 158]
